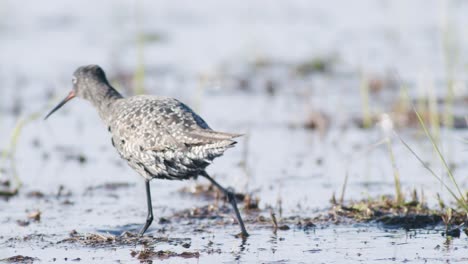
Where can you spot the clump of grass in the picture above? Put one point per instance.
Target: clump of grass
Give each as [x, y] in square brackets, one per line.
[460, 198]
[399, 199]
[8, 155]
[366, 114]
[451, 53]
[275, 222]
[139, 76]
[385, 210]
[447, 218]
[343, 190]
[408, 214]
[457, 193]
[421, 103]
[315, 65]
[244, 163]
[403, 104]
[433, 114]
[386, 125]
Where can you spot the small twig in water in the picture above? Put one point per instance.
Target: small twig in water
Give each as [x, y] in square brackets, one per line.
[273, 219]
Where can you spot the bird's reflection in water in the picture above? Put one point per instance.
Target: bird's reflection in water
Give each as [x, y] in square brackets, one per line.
[241, 248]
[274, 242]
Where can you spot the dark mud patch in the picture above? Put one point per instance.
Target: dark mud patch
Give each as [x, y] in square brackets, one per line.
[19, 259]
[97, 240]
[410, 221]
[62, 194]
[148, 254]
[7, 193]
[31, 237]
[6, 189]
[70, 154]
[386, 211]
[203, 219]
[109, 186]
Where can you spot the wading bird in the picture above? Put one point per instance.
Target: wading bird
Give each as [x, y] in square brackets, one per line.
[159, 137]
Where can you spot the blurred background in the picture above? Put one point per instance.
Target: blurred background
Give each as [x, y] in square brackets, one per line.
[319, 88]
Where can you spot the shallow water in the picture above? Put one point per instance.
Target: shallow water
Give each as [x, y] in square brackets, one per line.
[108, 212]
[204, 53]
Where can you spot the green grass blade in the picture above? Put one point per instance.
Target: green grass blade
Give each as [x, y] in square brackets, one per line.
[441, 157]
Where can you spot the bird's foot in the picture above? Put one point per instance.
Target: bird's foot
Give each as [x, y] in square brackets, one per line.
[149, 220]
[242, 235]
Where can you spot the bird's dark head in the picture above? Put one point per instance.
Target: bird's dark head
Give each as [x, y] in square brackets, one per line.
[88, 80]
[90, 83]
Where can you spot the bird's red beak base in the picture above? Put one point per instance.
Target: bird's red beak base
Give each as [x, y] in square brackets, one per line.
[70, 96]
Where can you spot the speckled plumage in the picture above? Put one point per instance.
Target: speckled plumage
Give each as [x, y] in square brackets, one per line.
[159, 137]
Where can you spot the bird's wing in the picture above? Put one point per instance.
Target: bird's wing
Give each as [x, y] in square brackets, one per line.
[158, 123]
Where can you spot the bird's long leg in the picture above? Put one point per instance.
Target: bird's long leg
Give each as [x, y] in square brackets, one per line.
[232, 200]
[149, 217]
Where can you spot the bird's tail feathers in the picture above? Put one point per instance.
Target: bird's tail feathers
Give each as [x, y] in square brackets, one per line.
[216, 135]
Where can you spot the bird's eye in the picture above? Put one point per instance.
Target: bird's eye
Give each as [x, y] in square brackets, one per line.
[74, 80]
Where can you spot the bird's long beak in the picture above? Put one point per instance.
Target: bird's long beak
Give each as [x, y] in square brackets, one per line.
[70, 96]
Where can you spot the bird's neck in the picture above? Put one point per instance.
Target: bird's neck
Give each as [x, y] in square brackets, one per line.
[103, 99]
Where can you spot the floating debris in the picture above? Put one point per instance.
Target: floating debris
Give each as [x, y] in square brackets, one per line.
[35, 216]
[35, 194]
[100, 240]
[318, 121]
